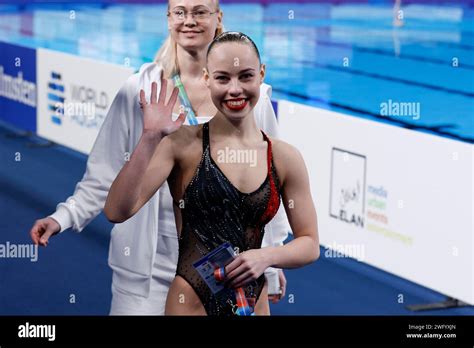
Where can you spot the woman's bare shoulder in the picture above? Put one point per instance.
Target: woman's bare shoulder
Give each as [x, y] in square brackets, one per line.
[283, 150]
[286, 157]
[184, 138]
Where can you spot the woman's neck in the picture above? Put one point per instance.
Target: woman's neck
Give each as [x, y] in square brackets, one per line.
[191, 63]
[243, 129]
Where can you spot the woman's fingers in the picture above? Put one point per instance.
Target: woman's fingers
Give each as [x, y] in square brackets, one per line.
[37, 233]
[163, 88]
[153, 93]
[231, 267]
[142, 98]
[236, 275]
[173, 98]
[241, 279]
[180, 120]
[34, 233]
[244, 282]
[45, 237]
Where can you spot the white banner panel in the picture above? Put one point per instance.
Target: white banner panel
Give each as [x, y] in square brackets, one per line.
[74, 96]
[397, 199]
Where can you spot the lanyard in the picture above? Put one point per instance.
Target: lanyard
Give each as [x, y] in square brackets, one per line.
[183, 97]
[242, 308]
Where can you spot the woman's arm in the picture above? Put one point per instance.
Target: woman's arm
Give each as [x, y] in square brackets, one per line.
[299, 207]
[104, 162]
[151, 161]
[304, 248]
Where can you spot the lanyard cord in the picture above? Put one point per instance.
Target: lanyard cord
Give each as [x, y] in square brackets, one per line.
[183, 97]
[242, 308]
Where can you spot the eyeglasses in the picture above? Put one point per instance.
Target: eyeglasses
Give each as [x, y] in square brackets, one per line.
[180, 15]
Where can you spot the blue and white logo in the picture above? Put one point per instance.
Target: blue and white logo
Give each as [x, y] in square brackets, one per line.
[56, 98]
[18, 86]
[80, 104]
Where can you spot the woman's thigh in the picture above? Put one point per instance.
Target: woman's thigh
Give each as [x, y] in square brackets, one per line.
[182, 299]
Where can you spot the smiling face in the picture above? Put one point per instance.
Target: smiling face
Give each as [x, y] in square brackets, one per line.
[234, 76]
[193, 32]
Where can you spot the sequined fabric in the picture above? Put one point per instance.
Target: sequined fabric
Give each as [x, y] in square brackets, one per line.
[216, 212]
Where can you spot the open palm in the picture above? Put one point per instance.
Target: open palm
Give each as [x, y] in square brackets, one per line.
[157, 115]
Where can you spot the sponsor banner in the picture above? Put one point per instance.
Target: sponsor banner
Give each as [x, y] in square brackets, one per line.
[401, 199]
[18, 86]
[74, 96]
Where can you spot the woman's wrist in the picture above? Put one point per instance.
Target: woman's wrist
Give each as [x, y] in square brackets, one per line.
[270, 255]
[152, 138]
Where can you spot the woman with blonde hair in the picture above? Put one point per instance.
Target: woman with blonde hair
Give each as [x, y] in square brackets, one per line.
[143, 250]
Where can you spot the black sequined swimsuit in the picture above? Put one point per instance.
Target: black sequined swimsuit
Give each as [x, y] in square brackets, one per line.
[215, 212]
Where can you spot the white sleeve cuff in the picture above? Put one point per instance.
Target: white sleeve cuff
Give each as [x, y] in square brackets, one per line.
[63, 218]
[273, 281]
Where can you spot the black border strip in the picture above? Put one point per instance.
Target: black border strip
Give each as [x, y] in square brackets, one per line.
[281, 330]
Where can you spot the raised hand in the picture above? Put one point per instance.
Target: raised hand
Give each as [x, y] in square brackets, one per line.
[157, 115]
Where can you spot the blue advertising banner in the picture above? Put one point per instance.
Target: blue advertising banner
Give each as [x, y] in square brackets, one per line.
[18, 86]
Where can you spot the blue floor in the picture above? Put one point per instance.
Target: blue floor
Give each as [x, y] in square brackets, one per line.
[76, 264]
[73, 264]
